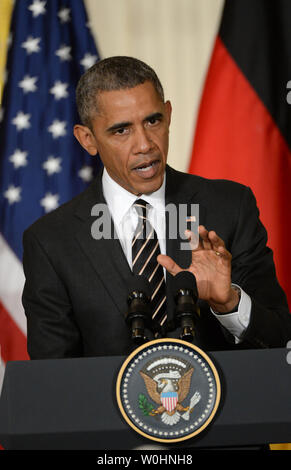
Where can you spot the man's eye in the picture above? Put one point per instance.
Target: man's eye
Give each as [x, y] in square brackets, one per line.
[154, 121]
[120, 131]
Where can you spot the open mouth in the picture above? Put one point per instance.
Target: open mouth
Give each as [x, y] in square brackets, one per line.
[147, 169]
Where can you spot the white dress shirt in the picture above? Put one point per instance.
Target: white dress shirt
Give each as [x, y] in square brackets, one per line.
[125, 219]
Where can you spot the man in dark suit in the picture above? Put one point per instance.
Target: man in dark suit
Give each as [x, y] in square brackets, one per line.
[76, 289]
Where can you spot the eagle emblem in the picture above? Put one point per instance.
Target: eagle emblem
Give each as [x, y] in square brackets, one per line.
[167, 382]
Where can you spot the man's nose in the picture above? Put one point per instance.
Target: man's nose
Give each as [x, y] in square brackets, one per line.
[143, 142]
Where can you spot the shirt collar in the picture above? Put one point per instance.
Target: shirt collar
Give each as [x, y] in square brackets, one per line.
[120, 200]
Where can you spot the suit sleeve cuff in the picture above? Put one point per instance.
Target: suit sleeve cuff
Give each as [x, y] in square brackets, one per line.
[237, 322]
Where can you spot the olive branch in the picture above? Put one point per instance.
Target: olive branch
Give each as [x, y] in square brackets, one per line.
[144, 405]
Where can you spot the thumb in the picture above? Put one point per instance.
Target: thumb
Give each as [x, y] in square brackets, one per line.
[169, 264]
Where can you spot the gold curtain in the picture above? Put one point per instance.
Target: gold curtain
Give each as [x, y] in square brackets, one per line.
[5, 15]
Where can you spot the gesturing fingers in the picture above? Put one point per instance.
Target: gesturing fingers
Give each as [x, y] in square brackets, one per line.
[215, 240]
[208, 240]
[218, 244]
[204, 238]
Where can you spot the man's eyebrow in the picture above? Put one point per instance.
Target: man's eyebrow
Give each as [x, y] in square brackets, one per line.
[118, 125]
[123, 124]
[154, 116]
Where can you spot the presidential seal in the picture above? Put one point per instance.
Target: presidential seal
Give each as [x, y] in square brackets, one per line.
[168, 390]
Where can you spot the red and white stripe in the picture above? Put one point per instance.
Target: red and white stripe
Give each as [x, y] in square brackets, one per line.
[169, 402]
[12, 317]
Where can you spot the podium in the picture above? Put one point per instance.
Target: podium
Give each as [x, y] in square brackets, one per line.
[70, 404]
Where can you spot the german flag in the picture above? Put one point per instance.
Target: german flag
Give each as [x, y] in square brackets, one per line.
[243, 131]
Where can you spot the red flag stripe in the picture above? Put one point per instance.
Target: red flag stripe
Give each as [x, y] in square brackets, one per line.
[12, 340]
[237, 139]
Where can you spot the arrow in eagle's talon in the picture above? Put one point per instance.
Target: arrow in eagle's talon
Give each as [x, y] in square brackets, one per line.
[194, 400]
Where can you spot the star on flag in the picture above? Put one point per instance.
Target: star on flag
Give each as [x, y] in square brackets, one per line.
[31, 45]
[57, 128]
[37, 8]
[21, 121]
[28, 84]
[18, 158]
[86, 173]
[64, 15]
[13, 194]
[59, 90]
[52, 165]
[88, 60]
[64, 53]
[50, 202]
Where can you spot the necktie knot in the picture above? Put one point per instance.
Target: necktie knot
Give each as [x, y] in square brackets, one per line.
[141, 207]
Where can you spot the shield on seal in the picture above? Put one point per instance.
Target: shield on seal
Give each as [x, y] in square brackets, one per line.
[169, 400]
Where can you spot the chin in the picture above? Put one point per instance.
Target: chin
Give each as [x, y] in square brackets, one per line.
[150, 188]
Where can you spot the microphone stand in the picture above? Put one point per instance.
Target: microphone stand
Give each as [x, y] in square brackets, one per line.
[186, 296]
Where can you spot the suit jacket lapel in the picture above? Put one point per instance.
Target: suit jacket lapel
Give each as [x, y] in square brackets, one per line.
[105, 254]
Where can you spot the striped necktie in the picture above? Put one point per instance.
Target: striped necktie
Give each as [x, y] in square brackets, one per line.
[145, 249]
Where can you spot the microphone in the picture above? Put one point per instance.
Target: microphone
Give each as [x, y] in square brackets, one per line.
[186, 296]
[138, 315]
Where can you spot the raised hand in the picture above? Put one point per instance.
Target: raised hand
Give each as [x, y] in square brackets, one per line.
[211, 266]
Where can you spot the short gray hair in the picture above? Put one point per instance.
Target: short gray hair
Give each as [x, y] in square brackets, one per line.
[113, 73]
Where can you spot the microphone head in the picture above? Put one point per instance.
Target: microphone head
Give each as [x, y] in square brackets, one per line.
[139, 284]
[184, 280]
[186, 295]
[138, 316]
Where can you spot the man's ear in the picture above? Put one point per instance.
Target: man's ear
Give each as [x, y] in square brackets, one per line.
[168, 108]
[86, 138]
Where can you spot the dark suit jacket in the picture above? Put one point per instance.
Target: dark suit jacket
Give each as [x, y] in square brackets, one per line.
[75, 294]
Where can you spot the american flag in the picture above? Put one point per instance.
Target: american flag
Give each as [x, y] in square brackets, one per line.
[41, 163]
